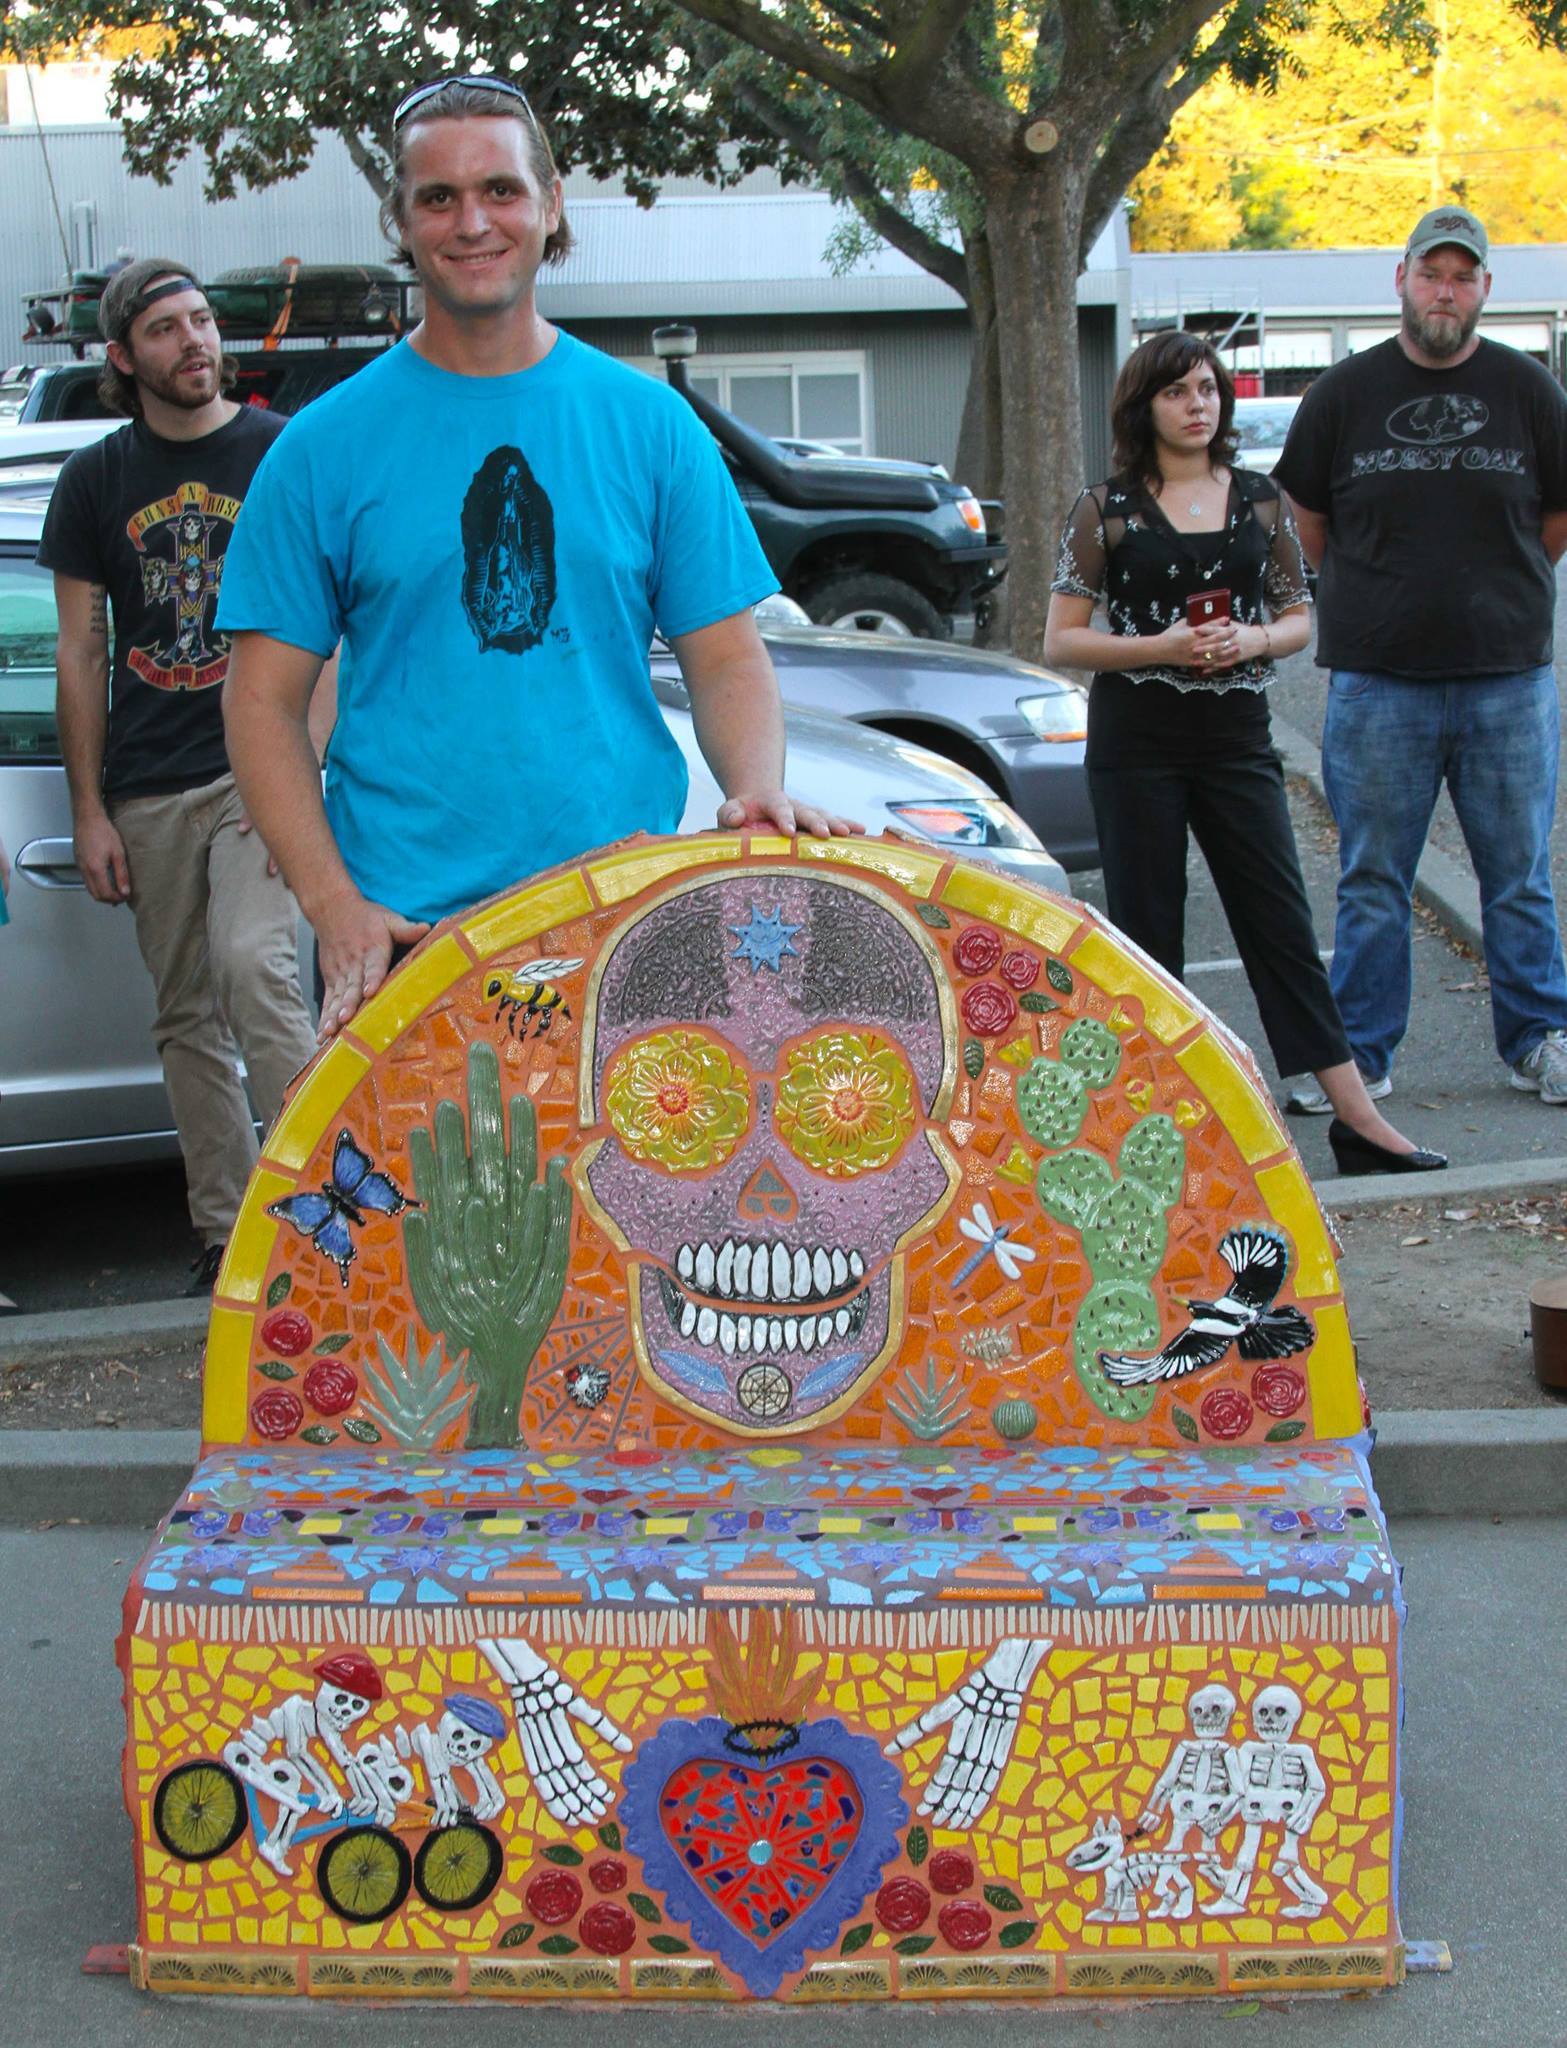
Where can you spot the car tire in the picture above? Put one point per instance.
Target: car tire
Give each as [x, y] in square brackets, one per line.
[875, 604]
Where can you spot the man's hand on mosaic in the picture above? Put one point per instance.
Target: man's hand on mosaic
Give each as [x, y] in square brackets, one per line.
[776, 807]
[355, 941]
[984, 1713]
[546, 1705]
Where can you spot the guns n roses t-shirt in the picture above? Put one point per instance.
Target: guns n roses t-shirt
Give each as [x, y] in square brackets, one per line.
[150, 520]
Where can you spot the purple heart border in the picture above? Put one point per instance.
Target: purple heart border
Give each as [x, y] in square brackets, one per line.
[880, 1785]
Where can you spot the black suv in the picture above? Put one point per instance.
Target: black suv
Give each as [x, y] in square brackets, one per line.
[882, 546]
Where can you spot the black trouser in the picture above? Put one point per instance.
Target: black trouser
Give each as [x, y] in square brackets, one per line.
[1237, 811]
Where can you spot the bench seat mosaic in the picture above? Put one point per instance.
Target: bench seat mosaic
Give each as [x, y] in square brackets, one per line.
[779, 1423]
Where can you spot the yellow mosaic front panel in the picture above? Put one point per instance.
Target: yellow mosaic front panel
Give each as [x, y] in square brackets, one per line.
[1089, 1854]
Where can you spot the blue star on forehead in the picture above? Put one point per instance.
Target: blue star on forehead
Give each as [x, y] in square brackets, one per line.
[765, 940]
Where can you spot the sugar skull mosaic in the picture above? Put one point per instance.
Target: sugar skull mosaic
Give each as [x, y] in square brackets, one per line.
[779, 1423]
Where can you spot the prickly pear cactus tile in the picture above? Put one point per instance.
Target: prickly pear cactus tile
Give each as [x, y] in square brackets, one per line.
[699, 1151]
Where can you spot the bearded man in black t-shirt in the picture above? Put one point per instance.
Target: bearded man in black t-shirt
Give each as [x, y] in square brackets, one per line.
[1429, 477]
[139, 524]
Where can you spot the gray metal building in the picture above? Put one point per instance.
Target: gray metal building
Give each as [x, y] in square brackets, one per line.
[874, 362]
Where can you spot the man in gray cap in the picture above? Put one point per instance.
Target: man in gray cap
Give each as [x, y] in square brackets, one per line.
[139, 523]
[1429, 478]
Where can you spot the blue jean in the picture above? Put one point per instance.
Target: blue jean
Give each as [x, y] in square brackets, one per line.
[1387, 747]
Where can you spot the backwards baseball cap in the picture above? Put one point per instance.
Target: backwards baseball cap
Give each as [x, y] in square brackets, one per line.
[1448, 226]
[132, 290]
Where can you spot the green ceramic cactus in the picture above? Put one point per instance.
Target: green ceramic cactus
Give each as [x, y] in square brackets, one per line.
[1052, 1102]
[487, 1250]
[1092, 1051]
[1122, 1215]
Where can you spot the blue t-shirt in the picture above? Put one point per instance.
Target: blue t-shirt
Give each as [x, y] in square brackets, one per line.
[494, 553]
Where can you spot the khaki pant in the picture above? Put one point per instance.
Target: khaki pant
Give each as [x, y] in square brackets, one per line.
[218, 935]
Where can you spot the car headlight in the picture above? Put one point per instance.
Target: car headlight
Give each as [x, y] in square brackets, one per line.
[965, 821]
[1057, 715]
[972, 513]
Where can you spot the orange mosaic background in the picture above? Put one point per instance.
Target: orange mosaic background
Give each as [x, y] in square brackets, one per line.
[994, 1339]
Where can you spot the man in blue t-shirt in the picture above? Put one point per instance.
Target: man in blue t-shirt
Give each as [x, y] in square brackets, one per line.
[493, 518]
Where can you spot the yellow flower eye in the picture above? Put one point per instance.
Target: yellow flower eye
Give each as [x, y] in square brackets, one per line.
[846, 1102]
[677, 1100]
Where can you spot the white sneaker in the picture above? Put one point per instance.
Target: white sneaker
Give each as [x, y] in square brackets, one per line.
[1309, 1100]
[1543, 1072]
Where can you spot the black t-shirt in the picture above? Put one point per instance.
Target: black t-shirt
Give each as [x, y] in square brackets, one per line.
[1434, 483]
[150, 521]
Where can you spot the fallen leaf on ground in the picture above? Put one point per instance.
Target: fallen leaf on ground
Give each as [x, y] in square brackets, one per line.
[1459, 1215]
[1406, 1241]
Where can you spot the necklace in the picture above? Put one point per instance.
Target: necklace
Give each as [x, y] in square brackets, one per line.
[1195, 508]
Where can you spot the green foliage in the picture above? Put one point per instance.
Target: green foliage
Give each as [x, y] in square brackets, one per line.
[487, 1250]
[251, 89]
[417, 1397]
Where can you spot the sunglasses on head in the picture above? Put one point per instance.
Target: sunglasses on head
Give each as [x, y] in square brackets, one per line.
[410, 102]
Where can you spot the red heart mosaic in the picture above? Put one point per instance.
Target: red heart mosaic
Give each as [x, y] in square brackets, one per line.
[762, 1844]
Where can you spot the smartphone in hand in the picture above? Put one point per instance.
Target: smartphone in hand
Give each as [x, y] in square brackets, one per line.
[1208, 608]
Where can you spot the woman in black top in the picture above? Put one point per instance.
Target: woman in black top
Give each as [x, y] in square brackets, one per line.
[1178, 732]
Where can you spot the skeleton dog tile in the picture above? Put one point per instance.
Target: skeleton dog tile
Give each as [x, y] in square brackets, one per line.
[783, 1412]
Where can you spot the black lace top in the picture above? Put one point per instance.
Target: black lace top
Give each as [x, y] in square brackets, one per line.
[1120, 548]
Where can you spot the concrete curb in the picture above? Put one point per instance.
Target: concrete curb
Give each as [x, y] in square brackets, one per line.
[1446, 888]
[1365, 1194]
[1427, 1462]
[1472, 1461]
[120, 1478]
[87, 1332]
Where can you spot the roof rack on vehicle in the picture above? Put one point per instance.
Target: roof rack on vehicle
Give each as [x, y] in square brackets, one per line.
[327, 302]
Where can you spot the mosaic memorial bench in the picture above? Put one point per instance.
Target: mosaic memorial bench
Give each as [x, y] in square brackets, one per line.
[779, 1422]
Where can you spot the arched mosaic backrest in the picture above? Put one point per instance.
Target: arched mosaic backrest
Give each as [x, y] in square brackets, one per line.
[743, 1140]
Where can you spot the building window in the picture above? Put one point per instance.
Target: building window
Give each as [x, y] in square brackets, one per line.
[819, 398]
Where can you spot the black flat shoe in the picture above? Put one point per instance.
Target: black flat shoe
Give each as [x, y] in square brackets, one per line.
[1356, 1154]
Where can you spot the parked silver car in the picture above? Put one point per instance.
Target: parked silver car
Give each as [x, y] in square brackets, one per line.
[79, 1082]
[1021, 729]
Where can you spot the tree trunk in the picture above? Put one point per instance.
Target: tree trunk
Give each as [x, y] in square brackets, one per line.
[978, 462]
[1034, 220]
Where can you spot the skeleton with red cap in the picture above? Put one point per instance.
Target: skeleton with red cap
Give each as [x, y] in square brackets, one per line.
[347, 1685]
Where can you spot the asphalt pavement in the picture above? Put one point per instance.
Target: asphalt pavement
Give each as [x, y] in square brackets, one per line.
[1484, 1681]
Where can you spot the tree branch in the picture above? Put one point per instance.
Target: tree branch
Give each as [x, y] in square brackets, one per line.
[369, 164]
[1135, 141]
[922, 49]
[868, 198]
[744, 20]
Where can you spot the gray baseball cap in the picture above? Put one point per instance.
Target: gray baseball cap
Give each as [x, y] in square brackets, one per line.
[1448, 226]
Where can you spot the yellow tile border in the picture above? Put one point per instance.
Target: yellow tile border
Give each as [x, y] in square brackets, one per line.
[1293, 1204]
[225, 1376]
[527, 912]
[409, 993]
[622, 875]
[252, 1238]
[328, 1081]
[1106, 962]
[979, 893]
[909, 865]
[1235, 1098]
[1331, 1375]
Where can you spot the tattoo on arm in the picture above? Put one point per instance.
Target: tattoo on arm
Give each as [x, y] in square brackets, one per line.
[98, 611]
